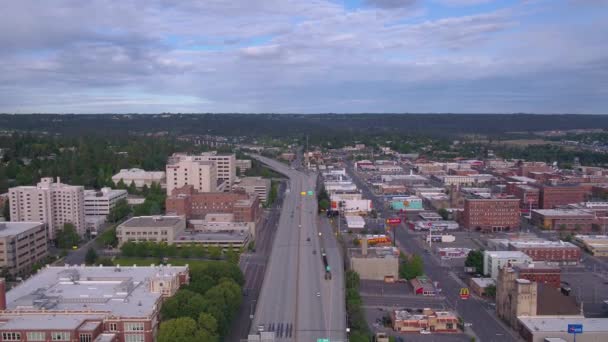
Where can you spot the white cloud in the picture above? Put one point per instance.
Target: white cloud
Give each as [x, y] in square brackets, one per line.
[282, 55]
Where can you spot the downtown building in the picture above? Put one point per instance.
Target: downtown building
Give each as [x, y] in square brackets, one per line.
[22, 244]
[51, 203]
[89, 304]
[207, 172]
[140, 177]
[196, 205]
[491, 214]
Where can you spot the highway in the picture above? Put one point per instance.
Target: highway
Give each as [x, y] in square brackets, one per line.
[296, 302]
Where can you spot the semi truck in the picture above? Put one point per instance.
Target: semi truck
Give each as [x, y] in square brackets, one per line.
[326, 265]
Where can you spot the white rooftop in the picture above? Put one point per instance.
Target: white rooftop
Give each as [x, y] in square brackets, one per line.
[123, 291]
[58, 321]
[560, 324]
[562, 212]
[506, 254]
[542, 244]
[16, 228]
[483, 282]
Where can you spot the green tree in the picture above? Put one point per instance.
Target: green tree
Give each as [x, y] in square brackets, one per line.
[119, 211]
[182, 329]
[475, 259]
[67, 237]
[183, 303]
[132, 189]
[323, 204]
[215, 252]
[207, 322]
[444, 213]
[108, 238]
[6, 211]
[490, 291]
[411, 267]
[91, 256]
[128, 249]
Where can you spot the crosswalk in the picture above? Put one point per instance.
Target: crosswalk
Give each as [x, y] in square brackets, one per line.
[281, 329]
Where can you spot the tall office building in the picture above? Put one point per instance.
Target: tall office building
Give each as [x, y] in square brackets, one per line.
[202, 175]
[51, 203]
[207, 172]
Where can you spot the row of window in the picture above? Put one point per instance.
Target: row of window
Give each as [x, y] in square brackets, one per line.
[38, 336]
[65, 336]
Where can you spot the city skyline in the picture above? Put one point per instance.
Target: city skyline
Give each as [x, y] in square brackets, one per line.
[352, 56]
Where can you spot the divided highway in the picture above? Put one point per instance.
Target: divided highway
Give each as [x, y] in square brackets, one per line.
[296, 301]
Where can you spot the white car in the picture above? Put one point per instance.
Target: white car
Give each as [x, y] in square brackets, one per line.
[424, 332]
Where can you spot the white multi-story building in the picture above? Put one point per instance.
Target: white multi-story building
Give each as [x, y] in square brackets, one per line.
[51, 203]
[243, 165]
[21, 245]
[202, 175]
[139, 177]
[494, 260]
[224, 166]
[99, 203]
[256, 186]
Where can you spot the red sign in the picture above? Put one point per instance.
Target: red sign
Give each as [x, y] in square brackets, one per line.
[394, 220]
[464, 293]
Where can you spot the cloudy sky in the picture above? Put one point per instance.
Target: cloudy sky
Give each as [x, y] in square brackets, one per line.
[304, 56]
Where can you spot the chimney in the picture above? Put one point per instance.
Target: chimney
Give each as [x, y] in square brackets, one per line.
[364, 246]
[2, 294]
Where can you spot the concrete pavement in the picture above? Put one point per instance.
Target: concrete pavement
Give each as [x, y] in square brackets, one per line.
[296, 302]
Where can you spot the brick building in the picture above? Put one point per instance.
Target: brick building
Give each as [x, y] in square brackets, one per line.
[539, 272]
[493, 214]
[529, 196]
[555, 195]
[86, 304]
[188, 202]
[563, 219]
[559, 252]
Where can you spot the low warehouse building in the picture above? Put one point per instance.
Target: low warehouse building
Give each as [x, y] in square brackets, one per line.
[375, 263]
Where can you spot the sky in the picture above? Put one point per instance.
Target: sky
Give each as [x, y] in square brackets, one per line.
[309, 56]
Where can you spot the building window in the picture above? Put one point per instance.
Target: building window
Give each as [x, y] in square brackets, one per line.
[36, 336]
[113, 327]
[60, 336]
[134, 326]
[86, 337]
[11, 336]
[134, 338]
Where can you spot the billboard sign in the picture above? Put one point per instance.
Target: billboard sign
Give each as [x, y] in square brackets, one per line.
[393, 220]
[464, 293]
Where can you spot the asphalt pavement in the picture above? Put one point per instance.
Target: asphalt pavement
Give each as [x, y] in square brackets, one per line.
[485, 324]
[296, 302]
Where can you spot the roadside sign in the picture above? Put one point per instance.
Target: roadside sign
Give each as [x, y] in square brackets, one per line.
[393, 220]
[464, 293]
[303, 193]
[575, 328]
[310, 193]
[322, 340]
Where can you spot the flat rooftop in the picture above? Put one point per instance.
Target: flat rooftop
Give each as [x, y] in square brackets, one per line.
[212, 237]
[122, 291]
[560, 324]
[16, 228]
[376, 252]
[562, 212]
[55, 321]
[506, 254]
[483, 282]
[542, 244]
[152, 221]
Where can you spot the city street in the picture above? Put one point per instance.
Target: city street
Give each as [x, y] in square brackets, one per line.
[485, 323]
